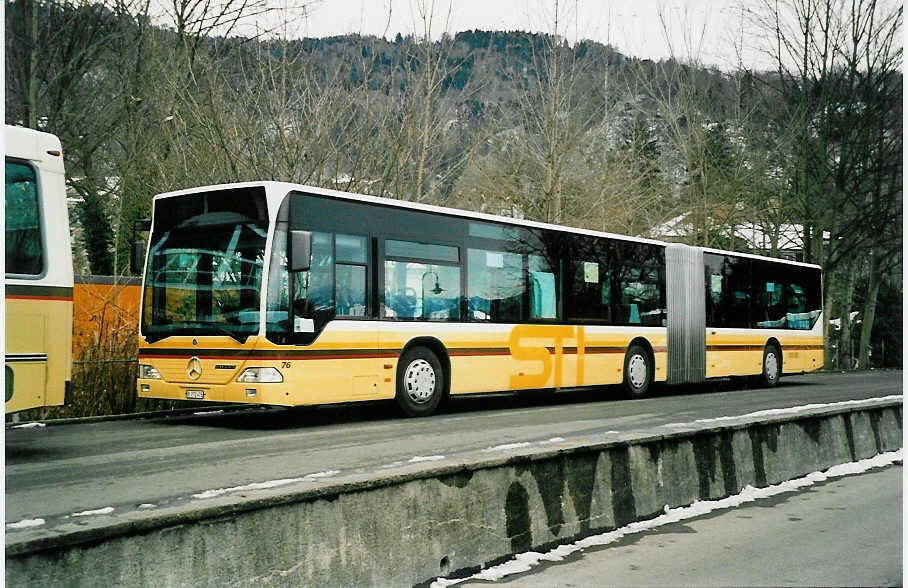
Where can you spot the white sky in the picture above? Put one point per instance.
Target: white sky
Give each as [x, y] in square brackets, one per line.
[705, 29]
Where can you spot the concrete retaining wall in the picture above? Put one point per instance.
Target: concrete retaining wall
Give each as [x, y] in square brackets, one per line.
[424, 520]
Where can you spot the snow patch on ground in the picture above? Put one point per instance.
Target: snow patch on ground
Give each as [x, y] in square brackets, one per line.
[327, 474]
[422, 458]
[253, 486]
[147, 505]
[26, 524]
[507, 446]
[91, 513]
[29, 426]
[785, 411]
[523, 562]
[552, 440]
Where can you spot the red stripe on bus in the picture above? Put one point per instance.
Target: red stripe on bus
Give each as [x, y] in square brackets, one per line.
[734, 347]
[260, 355]
[327, 356]
[802, 347]
[253, 356]
[453, 353]
[26, 297]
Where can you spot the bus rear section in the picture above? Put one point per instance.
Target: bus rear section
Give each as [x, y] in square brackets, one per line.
[39, 276]
[734, 314]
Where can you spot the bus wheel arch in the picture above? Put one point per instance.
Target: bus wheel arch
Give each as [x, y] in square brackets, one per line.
[771, 366]
[413, 359]
[639, 368]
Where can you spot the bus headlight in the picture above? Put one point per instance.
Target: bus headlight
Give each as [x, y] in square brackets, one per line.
[260, 375]
[148, 372]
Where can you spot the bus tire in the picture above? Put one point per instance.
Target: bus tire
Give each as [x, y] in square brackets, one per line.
[420, 382]
[638, 372]
[772, 366]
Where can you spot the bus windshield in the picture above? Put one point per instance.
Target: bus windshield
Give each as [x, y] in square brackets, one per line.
[204, 273]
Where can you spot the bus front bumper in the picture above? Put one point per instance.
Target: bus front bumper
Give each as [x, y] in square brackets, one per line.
[239, 392]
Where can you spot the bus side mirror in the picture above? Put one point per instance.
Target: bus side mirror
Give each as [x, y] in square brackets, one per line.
[137, 257]
[137, 249]
[300, 251]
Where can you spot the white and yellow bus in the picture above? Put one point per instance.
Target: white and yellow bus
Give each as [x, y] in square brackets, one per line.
[39, 272]
[283, 294]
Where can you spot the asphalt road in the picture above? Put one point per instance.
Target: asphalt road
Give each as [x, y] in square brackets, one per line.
[843, 532]
[55, 471]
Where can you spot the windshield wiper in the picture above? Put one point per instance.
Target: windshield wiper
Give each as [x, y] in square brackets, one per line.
[153, 335]
[232, 334]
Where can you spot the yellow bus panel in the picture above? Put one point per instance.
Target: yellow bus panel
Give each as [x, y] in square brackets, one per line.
[357, 360]
[38, 350]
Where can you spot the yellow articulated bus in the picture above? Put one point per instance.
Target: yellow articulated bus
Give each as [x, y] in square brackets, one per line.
[281, 294]
[39, 272]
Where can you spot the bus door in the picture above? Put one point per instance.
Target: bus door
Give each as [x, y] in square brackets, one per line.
[333, 326]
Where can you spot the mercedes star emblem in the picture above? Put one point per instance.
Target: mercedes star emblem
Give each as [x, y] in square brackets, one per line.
[194, 368]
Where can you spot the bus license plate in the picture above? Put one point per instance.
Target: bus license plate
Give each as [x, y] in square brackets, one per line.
[195, 394]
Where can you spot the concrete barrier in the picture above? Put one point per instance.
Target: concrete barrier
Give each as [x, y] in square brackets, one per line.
[426, 519]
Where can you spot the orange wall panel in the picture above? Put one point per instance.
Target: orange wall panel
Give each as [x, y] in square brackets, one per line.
[105, 311]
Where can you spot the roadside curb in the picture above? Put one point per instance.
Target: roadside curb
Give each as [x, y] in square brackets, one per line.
[138, 415]
[466, 512]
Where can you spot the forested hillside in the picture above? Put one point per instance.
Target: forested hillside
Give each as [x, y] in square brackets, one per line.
[804, 161]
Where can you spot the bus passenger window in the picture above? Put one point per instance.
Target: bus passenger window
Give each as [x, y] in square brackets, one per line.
[714, 308]
[23, 227]
[429, 251]
[736, 299]
[543, 289]
[797, 315]
[421, 291]
[320, 291]
[727, 291]
[351, 248]
[772, 311]
[351, 290]
[350, 275]
[591, 292]
[495, 285]
[641, 302]
[785, 296]
[606, 297]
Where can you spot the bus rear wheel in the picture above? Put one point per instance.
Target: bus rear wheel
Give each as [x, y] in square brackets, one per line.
[638, 372]
[420, 382]
[772, 366]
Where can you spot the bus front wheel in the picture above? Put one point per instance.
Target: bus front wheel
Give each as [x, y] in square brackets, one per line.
[420, 382]
[638, 372]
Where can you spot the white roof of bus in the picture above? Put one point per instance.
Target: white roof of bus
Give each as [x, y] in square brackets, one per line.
[32, 145]
[284, 187]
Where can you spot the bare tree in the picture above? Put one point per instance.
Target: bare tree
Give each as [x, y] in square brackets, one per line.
[712, 148]
[537, 162]
[59, 69]
[840, 87]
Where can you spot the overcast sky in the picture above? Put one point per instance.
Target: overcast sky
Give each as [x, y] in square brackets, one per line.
[707, 29]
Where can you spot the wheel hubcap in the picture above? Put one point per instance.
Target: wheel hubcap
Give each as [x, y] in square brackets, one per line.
[637, 371]
[420, 381]
[771, 366]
